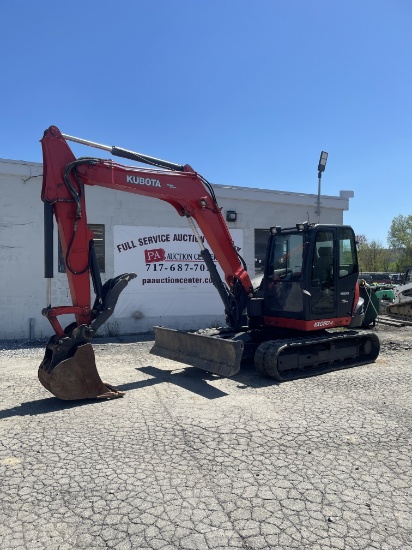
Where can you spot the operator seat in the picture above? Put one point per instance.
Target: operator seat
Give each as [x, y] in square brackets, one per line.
[323, 265]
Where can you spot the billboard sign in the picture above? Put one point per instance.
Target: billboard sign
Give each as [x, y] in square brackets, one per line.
[172, 278]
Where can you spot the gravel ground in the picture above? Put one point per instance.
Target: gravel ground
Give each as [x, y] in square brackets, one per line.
[189, 460]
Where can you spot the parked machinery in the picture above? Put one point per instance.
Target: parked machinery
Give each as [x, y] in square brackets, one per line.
[401, 307]
[303, 318]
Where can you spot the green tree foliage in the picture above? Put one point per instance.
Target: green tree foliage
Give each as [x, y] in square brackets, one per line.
[400, 239]
[373, 257]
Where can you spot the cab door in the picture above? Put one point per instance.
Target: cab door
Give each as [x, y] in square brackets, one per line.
[334, 274]
[322, 274]
[282, 283]
[347, 271]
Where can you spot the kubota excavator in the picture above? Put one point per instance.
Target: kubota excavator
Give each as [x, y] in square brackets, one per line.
[300, 319]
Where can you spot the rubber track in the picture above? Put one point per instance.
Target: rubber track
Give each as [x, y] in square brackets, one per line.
[300, 357]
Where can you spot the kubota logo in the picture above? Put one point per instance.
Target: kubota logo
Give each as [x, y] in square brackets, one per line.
[143, 181]
[323, 324]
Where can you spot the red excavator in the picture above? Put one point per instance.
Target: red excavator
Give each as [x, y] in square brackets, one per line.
[302, 318]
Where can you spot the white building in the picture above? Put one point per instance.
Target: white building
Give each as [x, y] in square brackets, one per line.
[118, 218]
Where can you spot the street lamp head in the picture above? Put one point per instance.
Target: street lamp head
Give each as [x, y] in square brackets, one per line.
[322, 161]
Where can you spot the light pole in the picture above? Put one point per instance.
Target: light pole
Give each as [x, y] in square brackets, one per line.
[321, 168]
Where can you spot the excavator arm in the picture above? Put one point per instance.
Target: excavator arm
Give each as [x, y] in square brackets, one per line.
[63, 193]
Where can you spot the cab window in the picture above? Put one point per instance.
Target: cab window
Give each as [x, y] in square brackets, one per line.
[286, 257]
[323, 259]
[348, 259]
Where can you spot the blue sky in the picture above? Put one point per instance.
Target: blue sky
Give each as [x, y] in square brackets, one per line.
[247, 93]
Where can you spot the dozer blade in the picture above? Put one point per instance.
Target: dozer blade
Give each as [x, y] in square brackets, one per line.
[204, 352]
[76, 377]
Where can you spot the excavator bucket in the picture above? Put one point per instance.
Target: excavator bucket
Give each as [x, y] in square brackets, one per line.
[75, 377]
[209, 353]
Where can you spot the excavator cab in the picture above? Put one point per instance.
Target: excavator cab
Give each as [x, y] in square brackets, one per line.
[311, 277]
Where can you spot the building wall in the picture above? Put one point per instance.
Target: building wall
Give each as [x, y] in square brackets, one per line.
[22, 284]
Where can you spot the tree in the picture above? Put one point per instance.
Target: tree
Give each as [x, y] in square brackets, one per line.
[373, 256]
[361, 239]
[400, 239]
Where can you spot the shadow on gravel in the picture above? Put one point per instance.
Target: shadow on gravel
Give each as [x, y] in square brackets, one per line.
[248, 377]
[191, 379]
[43, 406]
[196, 380]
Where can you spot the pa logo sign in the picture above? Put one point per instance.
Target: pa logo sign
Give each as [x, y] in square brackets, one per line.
[154, 255]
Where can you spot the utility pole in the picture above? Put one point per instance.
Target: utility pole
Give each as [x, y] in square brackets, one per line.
[321, 168]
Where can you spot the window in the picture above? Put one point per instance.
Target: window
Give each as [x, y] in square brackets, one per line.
[261, 241]
[323, 276]
[286, 257]
[347, 253]
[322, 271]
[99, 246]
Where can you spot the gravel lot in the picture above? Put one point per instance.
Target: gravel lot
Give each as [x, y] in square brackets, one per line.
[188, 460]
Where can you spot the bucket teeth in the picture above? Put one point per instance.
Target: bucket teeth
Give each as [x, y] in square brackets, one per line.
[76, 377]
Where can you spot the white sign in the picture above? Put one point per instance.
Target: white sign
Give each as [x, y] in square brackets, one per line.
[172, 278]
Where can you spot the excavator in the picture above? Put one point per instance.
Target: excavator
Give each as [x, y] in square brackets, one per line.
[303, 317]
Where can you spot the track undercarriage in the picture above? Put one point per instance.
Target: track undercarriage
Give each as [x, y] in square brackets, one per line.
[288, 359]
[401, 311]
[281, 356]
